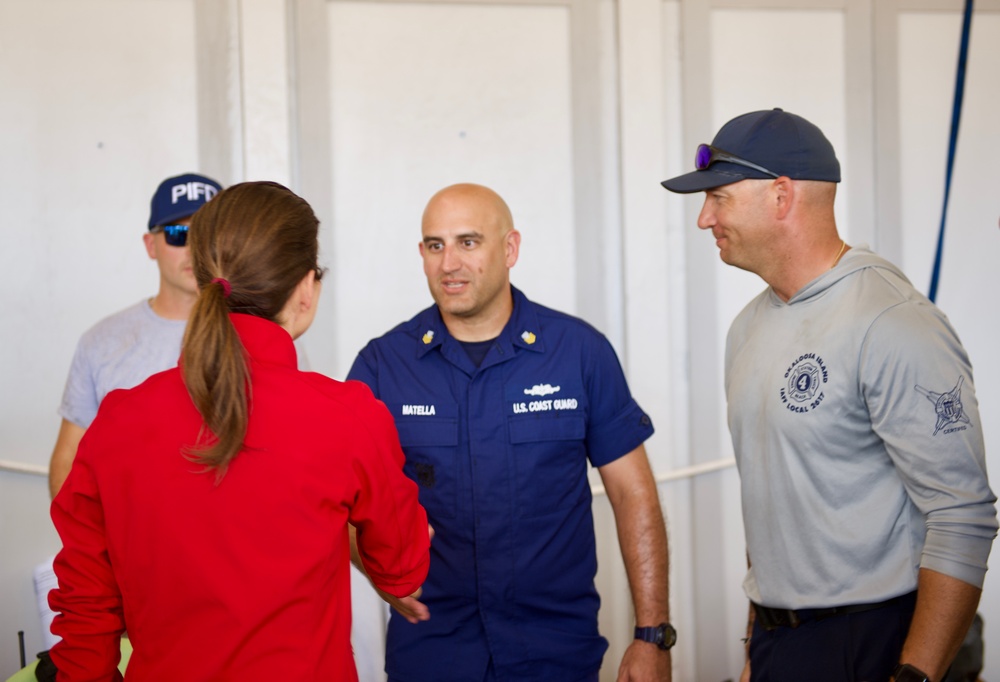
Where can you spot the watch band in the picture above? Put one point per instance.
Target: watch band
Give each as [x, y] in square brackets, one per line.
[905, 672]
[663, 635]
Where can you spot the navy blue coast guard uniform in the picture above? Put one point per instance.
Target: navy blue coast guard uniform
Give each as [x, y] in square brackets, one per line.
[500, 453]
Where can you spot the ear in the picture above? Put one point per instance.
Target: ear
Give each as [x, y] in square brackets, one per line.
[300, 308]
[149, 239]
[307, 293]
[512, 244]
[784, 196]
[420, 246]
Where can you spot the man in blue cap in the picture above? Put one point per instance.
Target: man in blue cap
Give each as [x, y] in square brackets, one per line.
[867, 511]
[500, 404]
[122, 350]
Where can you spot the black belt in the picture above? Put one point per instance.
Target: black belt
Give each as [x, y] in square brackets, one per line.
[770, 618]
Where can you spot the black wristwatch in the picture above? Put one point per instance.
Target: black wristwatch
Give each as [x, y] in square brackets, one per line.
[905, 672]
[663, 635]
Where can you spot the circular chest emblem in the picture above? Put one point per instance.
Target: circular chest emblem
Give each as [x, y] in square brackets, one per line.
[803, 382]
[803, 389]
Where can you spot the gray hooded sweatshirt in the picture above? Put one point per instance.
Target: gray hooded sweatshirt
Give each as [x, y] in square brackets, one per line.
[858, 441]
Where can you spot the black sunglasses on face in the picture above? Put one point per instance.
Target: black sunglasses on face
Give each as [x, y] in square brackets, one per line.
[175, 235]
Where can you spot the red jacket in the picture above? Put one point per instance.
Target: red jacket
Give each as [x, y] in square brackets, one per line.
[248, 579]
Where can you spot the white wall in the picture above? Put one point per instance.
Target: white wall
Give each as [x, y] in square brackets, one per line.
[969, 276]
[573, 109]
[405, 128]
[97, 105]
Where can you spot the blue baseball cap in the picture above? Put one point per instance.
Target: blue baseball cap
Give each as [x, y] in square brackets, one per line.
[761, 145]
[179, 197]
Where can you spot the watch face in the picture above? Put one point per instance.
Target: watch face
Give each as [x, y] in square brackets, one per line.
[667, 636]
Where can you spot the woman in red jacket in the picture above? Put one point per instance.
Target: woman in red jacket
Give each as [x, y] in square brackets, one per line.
[207, 510]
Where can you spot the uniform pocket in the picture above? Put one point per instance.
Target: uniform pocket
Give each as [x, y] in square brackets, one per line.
[430, 445]
[550, 461]
[532, 430]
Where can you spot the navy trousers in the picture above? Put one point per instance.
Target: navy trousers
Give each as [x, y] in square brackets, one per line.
[851, 647]
[492, 677]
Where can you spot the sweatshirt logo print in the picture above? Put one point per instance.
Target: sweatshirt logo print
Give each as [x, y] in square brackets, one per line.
[804, 380]
[948, 407]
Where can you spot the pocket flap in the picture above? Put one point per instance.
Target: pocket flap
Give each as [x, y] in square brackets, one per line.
[533, 430]
[423, 432]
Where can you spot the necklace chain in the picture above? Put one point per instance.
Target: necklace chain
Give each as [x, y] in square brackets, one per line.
[843, 247]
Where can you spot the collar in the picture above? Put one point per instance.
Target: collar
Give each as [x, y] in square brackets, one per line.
[521, 331]
[265, 341]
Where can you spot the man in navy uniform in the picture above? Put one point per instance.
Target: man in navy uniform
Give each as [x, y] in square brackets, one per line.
[500, 403]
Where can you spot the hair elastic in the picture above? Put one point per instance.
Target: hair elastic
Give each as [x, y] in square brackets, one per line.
[227, 288]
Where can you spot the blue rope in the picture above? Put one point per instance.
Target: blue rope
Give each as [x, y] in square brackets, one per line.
[956, 115]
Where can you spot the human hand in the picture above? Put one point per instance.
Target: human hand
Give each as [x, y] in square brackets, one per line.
[644, 662]
[410, 608]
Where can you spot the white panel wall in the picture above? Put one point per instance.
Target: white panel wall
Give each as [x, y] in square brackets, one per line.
[653, 236]
[97, 105]
[424, 96]
[969, 278]
[87, 136]
[266, 72]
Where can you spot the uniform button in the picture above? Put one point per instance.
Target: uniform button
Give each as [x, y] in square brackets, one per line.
[645, 420]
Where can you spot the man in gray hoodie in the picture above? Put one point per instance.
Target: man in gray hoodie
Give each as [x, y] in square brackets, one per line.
[867, 511]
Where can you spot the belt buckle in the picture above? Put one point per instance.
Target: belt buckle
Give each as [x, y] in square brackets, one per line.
[771, 618]
[793, 619]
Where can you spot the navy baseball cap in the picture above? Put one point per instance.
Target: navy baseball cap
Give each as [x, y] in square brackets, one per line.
[179, 197]
[761, 145]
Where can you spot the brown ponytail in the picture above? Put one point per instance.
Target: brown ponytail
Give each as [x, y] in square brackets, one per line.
[250, 247]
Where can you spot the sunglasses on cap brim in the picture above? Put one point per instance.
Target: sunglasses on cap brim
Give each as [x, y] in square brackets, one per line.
[707, 155]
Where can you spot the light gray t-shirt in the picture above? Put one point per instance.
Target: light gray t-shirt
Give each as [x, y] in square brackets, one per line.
[858, 439]
[120, 351]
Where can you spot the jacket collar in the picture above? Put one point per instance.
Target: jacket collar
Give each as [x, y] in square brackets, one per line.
[521, 331]
[265, 341]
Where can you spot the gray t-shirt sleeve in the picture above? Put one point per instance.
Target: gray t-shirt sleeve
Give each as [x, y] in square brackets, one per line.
[79, 401]
[120, 351]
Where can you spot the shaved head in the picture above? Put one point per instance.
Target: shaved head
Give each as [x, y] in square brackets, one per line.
[471, 196]
[468, 244]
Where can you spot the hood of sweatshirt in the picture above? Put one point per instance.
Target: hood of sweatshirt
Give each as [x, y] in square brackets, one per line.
[859, 257]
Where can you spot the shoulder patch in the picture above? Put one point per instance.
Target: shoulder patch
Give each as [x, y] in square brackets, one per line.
[951, 416]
